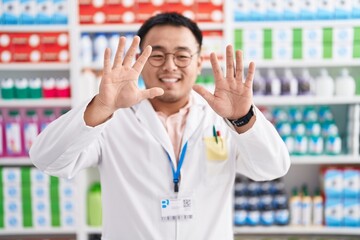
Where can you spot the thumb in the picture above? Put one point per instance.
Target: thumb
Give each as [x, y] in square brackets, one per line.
[151, 93]
[202, 91]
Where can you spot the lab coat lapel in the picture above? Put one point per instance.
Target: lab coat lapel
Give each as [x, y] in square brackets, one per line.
[146, 114]
[194, 119]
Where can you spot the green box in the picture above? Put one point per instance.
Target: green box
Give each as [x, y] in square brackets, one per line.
[356, 34]
[356, 49]
[297, 36]
[297, 51]
[327, 35]
[327, 51]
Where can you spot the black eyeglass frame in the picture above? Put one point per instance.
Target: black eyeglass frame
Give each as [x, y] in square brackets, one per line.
[174, 58]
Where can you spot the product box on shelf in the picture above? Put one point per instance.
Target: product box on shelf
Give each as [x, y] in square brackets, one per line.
[33, 47]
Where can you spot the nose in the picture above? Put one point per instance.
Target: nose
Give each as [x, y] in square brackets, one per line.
[169, 64]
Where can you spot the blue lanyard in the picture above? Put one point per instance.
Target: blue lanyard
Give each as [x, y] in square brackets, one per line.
[176, 174]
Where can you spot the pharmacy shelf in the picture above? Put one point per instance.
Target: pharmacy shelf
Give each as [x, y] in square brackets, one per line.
[36, 231]
[325, 159]
[304, 100]
[296, 24]
[93, 28]
[34, 28]
[42, 66]
[15, 161]
[306, 63]
[41, 102]
[285, 230]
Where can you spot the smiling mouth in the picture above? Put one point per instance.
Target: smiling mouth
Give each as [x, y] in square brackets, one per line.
[169, 80]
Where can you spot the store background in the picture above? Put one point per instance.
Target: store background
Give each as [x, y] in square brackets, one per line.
[50, 60]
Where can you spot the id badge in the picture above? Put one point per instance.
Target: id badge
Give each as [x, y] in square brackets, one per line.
[176, 208]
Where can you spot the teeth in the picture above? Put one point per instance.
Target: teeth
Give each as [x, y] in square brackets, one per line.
[170, 80]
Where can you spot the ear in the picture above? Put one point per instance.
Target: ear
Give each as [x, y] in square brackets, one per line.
[200, 60]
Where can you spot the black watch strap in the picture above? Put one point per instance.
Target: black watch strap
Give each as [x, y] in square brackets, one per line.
[243, 120]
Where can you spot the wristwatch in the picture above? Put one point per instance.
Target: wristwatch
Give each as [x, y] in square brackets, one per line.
[243, 120]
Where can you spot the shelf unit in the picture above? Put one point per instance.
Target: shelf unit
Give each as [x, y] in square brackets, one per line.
[303, 167]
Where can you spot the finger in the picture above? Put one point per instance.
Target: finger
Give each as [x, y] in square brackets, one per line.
[107, 63]
[151, 93]
[239, 65]
[119, 52]
[218, 74]
[250, 75]
[130, 55]
[229, 62]
[140, 62]
[202, 91]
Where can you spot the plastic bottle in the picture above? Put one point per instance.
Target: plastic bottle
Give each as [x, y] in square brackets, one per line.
[35, 90]
[306, 207]
[324, 84]
[113, 44]
[7, 88]
[86, 49]
[13, 133]
[94, 208]
[100, 44]
[345, 84]
[318, 209]
[259, 84]
[62, 86]
[21, 88]
[289, 84]
[306, 83]
[47, 116]
[300, 138]
[333, 143]
[316, 141]
[273, 84]
[295, 208]
[48, 87]
[2, 135]
[30, 129]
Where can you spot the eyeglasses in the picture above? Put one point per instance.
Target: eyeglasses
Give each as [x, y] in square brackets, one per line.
[181, 58]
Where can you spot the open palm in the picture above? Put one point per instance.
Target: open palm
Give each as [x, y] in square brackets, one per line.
[119, 84]
[233, 94]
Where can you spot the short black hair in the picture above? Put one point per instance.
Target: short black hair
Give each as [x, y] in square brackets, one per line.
[173, 19]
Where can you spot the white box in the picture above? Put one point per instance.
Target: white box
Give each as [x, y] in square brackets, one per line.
[351, 183]
[312, 35]
[11, 175]
[343, 34]
[326, 9]
[312, 51]
[39, 177]
[241, 10]
[308, 9]
[342, 51]
[343, 9]
[291, 9]
[274, 10]
[333, 183]
[253, 36]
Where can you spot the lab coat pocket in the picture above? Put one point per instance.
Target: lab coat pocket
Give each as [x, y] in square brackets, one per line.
[216, 150]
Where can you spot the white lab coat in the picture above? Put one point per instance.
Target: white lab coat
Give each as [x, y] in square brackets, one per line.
[130, 153]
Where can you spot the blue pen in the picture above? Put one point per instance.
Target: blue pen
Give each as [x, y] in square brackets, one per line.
[215, 134]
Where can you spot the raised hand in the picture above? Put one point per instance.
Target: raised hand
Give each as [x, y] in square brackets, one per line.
[233, 94]
[119, 83]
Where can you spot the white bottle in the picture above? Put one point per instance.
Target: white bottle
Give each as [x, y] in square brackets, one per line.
[324, 84]
[273, 83]
[289, 84]
[100, 44]
[258, 84]
[306, 83]
[113, 44]
[344, 84]
[86, 51]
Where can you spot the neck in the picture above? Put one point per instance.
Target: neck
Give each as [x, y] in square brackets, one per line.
[168, 108]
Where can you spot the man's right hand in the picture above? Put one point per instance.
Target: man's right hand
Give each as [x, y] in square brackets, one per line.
[119, 83]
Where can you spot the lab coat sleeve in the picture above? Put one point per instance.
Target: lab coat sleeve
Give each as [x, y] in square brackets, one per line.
[67, 145]
[261, 154]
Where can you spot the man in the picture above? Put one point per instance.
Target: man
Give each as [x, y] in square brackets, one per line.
[167, 156]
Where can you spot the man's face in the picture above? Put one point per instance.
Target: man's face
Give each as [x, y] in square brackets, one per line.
[176, 81]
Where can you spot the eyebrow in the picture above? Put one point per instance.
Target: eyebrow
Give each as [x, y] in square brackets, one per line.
[160, 48]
